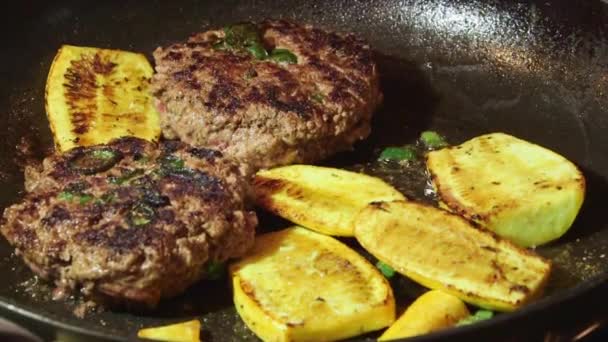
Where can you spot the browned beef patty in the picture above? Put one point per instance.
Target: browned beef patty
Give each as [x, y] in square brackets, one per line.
[265, 112]
[131, 219]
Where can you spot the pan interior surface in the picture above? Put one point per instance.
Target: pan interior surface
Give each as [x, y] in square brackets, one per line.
[538, 71]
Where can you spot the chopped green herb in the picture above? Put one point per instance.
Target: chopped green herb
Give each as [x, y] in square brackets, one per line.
[249, 74]
[125, 177]
[317, 97]
[141, 214]
[406, 153]
[92, 161]
[65, 196]
[480, 315]
[143, 159]
[283, 56]
[386, 270]
[172, 163]
[103, 154]
[85, 198]
[241, 35]
[432, 140]
[71, 196]
[258, 51]
[219, 45]
[108, 197]
[215, 270]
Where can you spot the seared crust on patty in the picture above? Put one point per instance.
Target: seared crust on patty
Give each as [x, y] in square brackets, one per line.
[263, 112]
[131, 219]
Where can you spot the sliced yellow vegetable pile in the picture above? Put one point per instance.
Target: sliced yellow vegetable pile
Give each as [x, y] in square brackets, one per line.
[95, 95]
[298, 285]
[319, 198]
[523, 192]
[443, 251]
[181, 332]
[432, 311]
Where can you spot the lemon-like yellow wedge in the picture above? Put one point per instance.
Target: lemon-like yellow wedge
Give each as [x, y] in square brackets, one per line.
[95, 95]
[180, 332]
[432, 311]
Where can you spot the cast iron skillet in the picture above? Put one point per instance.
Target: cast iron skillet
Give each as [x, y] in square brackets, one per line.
[534, 69]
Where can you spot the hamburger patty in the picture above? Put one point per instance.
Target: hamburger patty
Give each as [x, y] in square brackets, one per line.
[131, 220]
[268, 94]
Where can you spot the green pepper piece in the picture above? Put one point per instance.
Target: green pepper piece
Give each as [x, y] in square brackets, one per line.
[283, 56]
[406, 153]
[385, 269]
[480, 315]
[432, 140]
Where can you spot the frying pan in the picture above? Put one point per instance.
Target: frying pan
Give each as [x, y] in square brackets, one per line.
[534, 69]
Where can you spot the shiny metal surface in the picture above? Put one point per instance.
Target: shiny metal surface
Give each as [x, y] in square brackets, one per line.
[535, 69]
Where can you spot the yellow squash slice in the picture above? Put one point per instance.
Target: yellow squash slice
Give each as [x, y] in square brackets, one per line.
[298, 285]
[434, 310]
[521, 191]
[320, 198]
[95, 95]
[180, 332]
[443, 251]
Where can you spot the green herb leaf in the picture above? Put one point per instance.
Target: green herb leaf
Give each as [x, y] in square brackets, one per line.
[258, 51]
[240, 35]
[215, 270]
[108, 197]
[283, 56]
[104, 154]
[65, 196]
[172, 163]
[219, 45]
[91, 161]
[406, 153]
[143, 159]
[317, 97]
[432, 140]
[386, 270]
[480, 315]
[126, 177]
[141, 215]
[85, 198]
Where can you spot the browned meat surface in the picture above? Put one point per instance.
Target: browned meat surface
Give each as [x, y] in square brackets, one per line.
[131, 220]
[265, 112]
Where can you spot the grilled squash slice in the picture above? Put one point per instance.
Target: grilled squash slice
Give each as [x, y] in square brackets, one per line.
[95, 95]
[443, 251]
[519, 190]
[434, 310]
[180, 332]
[319, 198]
[298, 285]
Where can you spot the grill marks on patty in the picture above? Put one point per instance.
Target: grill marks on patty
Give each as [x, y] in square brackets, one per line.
[130, 227]
[263, 112]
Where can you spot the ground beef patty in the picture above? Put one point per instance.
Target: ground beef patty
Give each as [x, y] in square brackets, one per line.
[131, 220]
[263, 111]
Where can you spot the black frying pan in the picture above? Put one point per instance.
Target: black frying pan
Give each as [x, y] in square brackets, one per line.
[535, 69]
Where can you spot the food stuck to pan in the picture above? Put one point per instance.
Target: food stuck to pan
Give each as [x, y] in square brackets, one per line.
[127, 218]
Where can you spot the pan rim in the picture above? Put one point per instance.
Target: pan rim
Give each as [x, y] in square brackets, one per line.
[536, 307]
